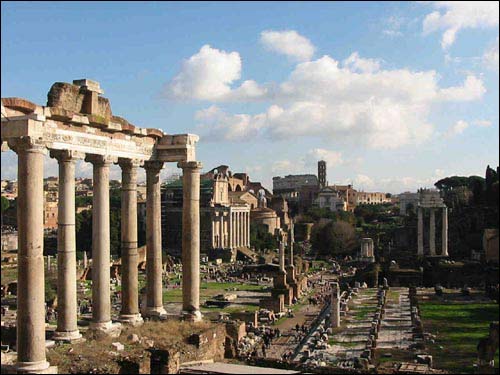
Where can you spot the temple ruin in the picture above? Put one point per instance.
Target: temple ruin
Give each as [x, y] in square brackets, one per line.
[77, 124]
[431, 201]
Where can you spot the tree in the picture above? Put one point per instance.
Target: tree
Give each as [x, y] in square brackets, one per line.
[261, 239]
[334, 238]
[5, 206]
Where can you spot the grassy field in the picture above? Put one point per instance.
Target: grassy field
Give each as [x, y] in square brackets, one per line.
[458, 327]
[211, 289]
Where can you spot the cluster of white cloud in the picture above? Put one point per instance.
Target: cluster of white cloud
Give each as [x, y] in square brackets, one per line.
[362, 182]
[353, 100]
[289, 43]
[393, 26]
[457, 128]
[308, 162]
[490, 57]
[453, 16]
[460, 126]
[208, 75]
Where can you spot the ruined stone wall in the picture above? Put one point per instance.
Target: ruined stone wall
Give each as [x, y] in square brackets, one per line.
[208, 345]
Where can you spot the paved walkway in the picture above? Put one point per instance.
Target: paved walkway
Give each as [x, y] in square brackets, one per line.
[396, 326]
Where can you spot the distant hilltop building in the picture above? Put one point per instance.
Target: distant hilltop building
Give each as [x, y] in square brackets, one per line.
[372, 198]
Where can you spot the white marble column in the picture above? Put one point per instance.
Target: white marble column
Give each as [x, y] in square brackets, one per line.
[154, 295]
[247, 229]
[230, 220]
[444, 239]
[432, 232]
[191, 240]
[130, 257]
[221, 230]
[214, 242]
[101, 262]
[67, 306]
[30, 267]
[420, 231]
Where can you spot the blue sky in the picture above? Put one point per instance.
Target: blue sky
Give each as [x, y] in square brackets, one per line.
[393, 95]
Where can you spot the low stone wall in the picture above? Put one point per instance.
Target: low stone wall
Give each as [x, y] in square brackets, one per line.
[246, 317]
[276, 304]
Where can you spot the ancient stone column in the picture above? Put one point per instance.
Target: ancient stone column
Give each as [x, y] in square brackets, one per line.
[432, 232]
[101, 262]
[420, 230]
[231, 229]
[30, 267]
[221, 225]
[282, 254]
[444, 238]
[67, 306]
[130, 257]
[237, 224]
[248, 228]
[335, 306]
[191, 240]
[214, 242]
[154, 306]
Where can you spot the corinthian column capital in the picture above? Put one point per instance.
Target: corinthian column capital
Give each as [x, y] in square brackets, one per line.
[103, 160]
[128, 164]
[67, 155]
[193, 165]
[27, 144]
[153, 166]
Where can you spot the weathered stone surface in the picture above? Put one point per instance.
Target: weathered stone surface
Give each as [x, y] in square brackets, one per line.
[19, 104]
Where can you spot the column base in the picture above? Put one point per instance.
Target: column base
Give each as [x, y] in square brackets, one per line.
[155, 312]
[40, 367]
[69, 336]
[192, 316]
[106, 328]
[131, 319]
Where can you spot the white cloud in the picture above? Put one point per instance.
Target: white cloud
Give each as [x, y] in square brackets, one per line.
[357, 64]
[482, 123]
[363, 183]
[472, 89]
[457, 128]
[208, 75]
[332, 158]
[393, 25]
[307, 163]
[453, 16]
[289, 43]
[370, 106]
[490, 57]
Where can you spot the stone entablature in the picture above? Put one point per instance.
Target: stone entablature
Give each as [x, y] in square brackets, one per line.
[66, 124]
[430, 198]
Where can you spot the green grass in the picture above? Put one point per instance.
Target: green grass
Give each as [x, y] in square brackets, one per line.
[362, 312]
[209, 290]
[458, 327]
[239, 287]
[345, 344]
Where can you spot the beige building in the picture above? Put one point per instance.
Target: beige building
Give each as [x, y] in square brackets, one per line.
[363, 197]
[348, 194]
[330, 198]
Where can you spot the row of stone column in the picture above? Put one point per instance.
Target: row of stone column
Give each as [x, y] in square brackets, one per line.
[240, 229]
[31, 291]
[432, 232]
